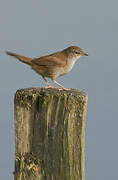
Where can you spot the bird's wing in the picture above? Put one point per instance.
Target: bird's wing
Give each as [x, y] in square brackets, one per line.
[51, 60]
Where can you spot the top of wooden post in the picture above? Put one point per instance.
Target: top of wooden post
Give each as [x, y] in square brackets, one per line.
[30, 91]
[23, 94]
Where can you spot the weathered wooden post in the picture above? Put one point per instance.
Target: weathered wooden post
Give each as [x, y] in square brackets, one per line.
[49, 134]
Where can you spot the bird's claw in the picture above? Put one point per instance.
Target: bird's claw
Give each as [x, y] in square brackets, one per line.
[49, 86]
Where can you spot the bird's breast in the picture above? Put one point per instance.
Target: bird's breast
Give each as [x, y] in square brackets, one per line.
[70, 65]
[64, 70]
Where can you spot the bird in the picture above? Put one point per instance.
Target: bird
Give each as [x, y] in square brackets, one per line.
[53, 65]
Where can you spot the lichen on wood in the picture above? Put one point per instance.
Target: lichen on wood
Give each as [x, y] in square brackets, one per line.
[49, 127]
[26, 167]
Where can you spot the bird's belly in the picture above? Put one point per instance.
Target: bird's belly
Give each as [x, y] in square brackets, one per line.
[68, 67]
[60, 72]
[63, 70]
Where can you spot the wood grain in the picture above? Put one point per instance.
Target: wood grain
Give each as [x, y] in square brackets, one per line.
[49, 134]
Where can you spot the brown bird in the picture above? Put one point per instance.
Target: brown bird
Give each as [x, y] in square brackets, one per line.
[53, 65]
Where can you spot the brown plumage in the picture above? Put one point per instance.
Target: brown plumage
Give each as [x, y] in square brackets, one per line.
[53, 65]
[23, 59]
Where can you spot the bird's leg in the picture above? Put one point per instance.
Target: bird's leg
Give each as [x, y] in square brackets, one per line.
[48, 85]
[61, 87]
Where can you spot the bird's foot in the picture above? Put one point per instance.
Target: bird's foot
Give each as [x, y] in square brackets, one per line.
[58, 88]
[62, 88]
[49, 86]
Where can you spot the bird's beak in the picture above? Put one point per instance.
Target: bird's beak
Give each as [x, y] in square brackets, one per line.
[85, 54]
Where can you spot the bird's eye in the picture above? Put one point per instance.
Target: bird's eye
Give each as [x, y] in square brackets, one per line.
[76, 52]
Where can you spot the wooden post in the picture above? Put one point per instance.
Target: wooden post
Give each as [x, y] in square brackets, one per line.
[49, 134]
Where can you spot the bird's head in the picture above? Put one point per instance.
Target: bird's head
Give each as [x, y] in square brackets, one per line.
[74, 52]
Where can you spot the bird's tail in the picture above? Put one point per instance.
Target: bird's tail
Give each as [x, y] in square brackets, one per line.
[23, 59]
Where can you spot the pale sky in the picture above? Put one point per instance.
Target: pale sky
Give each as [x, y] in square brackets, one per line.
[35, 28]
